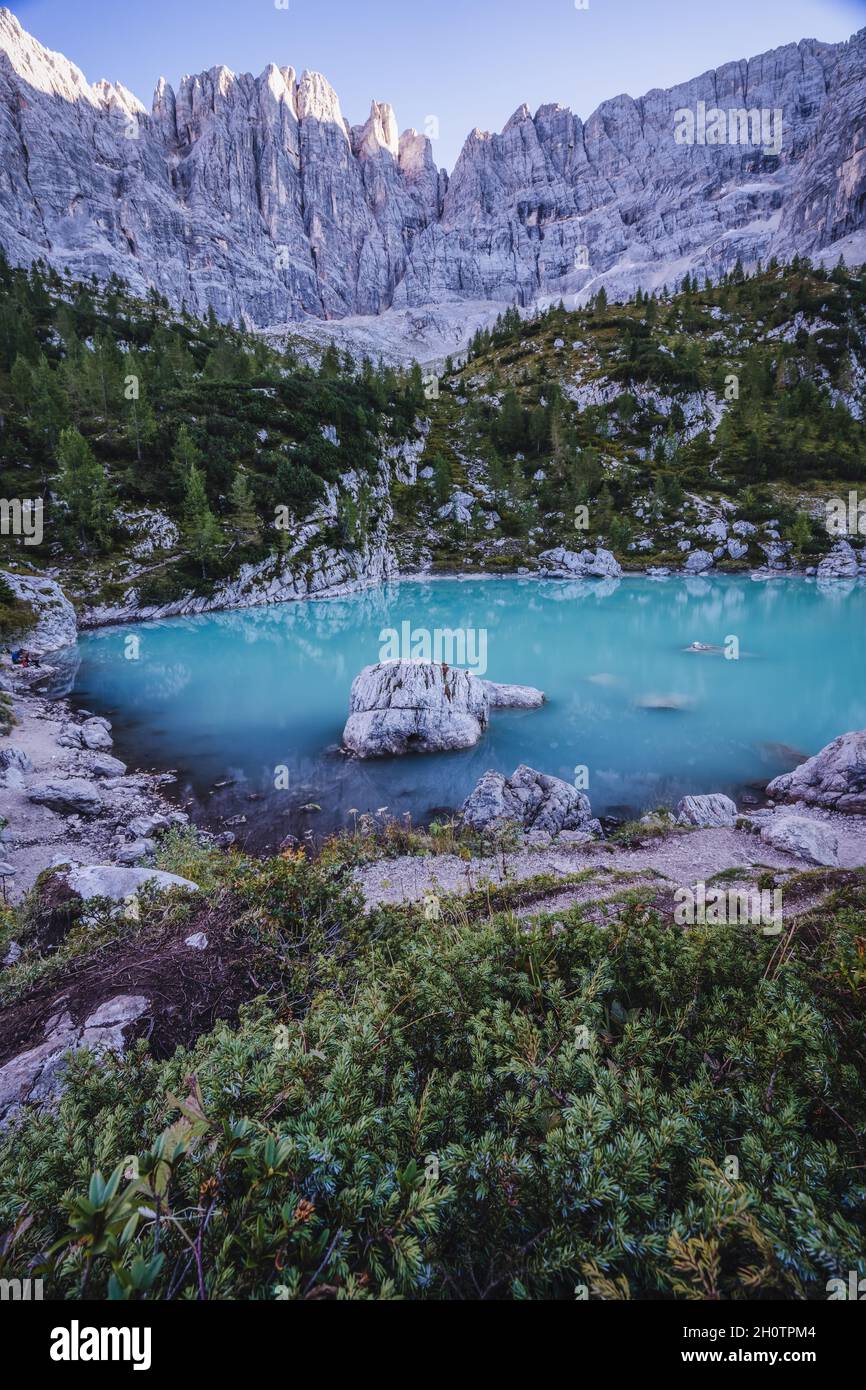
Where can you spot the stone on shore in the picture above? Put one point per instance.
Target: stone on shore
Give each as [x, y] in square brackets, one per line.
[709, 810]
[807, 839]
[95, 735]
[588, 564]
[104, 765]
[834, 778]
[532, 799]
[68, 795]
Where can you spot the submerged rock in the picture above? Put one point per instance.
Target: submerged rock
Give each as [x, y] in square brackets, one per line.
[513, 696]
[834, 778]
[534, 800]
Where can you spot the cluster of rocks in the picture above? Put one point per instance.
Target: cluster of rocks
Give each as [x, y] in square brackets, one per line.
[803, 837]
[540, 805]
[842, 562]
[723, 540]
[66, 796]
[560, 563]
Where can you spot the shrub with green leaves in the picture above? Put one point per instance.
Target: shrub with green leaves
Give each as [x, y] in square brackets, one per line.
[472, 1108]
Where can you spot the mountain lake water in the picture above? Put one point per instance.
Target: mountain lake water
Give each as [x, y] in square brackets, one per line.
[255, 697]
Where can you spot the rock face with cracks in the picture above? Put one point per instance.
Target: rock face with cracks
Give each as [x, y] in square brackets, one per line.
[712, 809]
[530, 799]
[254, 195]
[834, 778]
[404, 706]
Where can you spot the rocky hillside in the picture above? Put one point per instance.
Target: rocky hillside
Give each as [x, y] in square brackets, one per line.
[180, 465]
[183, 466]
[707, 428]
[253, 195]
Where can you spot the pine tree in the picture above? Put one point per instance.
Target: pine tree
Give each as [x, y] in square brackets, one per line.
[83, 487]
[243, 518]
[200, 527]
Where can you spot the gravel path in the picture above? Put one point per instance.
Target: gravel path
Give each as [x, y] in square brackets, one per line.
[682, 859]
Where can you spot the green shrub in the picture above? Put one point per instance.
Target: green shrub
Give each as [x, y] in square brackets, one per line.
[472, 1109]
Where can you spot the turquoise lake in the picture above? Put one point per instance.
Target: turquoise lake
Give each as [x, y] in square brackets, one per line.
[235, 696]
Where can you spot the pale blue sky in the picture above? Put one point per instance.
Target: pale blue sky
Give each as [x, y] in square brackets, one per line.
[469, 62]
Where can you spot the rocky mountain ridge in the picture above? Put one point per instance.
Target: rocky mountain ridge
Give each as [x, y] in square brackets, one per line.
[255, 196]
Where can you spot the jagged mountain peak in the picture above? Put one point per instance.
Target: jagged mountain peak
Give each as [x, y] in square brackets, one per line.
[253, 195]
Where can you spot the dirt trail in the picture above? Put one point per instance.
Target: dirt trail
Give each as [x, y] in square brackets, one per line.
[679, 860]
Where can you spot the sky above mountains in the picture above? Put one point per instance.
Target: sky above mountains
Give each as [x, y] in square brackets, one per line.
[465, 63]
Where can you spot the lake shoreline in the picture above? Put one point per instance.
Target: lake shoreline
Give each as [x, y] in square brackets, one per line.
[163, 793]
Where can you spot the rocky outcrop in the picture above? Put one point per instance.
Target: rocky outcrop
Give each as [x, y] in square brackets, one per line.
[254, 196]
[588, 564]
[834, 778]
[804, 838]
[405, 706]
[56, 625]
[36, 1076]
[712, 809]
[533, 800]
[309, 567]
[841, 563]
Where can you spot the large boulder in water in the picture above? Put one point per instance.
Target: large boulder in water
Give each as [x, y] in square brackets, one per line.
[414, 707]
[531, 799]
[423, 707]
[834, 778]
